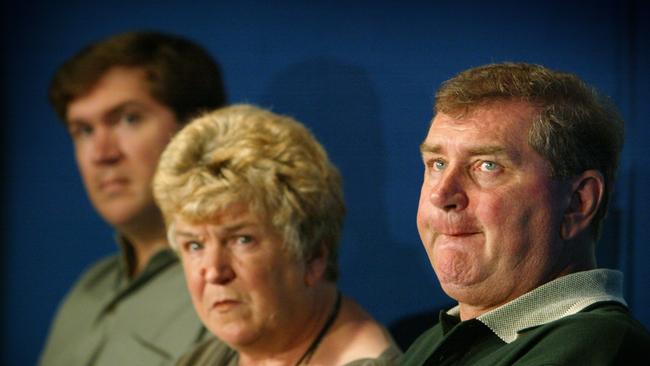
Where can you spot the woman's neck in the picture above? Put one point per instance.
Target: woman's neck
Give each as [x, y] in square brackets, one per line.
[297, 342]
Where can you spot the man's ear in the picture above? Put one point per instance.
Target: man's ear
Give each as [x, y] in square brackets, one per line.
[315, 269]
[587, 191]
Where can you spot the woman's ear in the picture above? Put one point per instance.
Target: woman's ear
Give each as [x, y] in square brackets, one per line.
[316, 265]
[587, 191]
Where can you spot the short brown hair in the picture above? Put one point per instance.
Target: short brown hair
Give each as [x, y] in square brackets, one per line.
[272, 163]
[576, 128]
[181, 74]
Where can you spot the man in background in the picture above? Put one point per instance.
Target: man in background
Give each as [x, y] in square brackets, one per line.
[519, 166]
[122, 99]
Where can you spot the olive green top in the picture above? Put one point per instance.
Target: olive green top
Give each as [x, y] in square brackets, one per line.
[108, 319]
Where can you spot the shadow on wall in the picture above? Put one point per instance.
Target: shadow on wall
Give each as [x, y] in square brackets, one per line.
[608, 248]
[338, 102]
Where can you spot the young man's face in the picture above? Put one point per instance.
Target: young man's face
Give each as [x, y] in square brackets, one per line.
[119, 131]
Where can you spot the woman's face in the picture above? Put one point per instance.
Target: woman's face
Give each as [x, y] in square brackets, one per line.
[246, 288]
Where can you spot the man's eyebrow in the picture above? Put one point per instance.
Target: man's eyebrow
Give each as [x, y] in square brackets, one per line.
[119, 109]
[476, 150]
[487, 150]
[112, 112]
[429, 148]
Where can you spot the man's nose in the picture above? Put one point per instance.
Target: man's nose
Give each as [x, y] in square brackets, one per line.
[448, 192]
[216, 268]
[105, 146]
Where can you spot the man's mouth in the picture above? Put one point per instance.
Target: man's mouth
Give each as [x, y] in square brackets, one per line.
[456, 237]
[113, 184]
[460, 234]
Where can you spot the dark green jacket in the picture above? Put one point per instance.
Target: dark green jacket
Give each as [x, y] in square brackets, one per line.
[601, 334]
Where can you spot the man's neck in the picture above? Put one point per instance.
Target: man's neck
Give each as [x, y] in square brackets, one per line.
[145, 240]
[143, 253]
[583, 262]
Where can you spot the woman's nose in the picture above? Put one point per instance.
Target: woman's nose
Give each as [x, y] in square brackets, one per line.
[217, 268]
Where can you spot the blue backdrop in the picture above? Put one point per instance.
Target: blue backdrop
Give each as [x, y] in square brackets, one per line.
[361, 75]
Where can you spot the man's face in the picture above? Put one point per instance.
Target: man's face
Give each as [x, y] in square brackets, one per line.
[489, 214]
[246, 288]
[119, 132]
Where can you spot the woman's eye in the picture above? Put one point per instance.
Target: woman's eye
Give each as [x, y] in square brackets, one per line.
[244, 239]
[193, 246]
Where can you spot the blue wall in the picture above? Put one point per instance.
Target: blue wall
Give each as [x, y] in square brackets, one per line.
[361, 75]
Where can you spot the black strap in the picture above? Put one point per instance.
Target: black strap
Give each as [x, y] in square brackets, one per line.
[328, 324]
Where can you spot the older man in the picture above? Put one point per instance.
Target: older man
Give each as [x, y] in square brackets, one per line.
[122, 99]
[519, 167]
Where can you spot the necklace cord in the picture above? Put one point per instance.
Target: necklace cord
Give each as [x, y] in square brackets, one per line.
[328, 324]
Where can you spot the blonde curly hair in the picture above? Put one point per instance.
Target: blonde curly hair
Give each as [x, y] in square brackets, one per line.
[272, 163]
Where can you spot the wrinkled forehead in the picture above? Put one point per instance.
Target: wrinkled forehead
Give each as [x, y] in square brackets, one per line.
[187, 220]
[495, 115]
[525, 110]
[499, 124]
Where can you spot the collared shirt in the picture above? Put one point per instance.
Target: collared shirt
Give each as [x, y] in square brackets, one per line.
[110, 319]
[578, 319]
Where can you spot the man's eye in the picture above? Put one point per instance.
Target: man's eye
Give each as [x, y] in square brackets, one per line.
[130, 118]
[438, 164]
[81, 130]
[489, 166]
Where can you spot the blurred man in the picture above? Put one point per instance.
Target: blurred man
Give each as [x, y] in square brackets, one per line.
[519, 168]
[122, 99]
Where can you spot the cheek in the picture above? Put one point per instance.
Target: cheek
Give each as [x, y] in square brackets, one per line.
[147, 159]
[82, 157]
[194, 280]
[494, 212]
[514, 221]
[423, 215]
[146, 148]
[503, 218]
[267, 283]
[275, 287]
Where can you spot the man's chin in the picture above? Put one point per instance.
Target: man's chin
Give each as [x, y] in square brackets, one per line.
[454, 276]
[119, 217]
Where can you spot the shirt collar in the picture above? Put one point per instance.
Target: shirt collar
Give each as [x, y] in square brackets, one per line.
[158, 260]
[554, 300]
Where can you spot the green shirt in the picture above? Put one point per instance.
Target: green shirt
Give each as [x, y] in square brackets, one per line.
[109, 319]
[578, 319]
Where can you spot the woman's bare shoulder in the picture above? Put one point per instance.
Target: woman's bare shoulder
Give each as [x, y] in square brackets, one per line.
[356, 336]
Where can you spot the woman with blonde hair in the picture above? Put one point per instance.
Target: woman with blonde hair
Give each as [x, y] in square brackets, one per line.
[254, 208]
